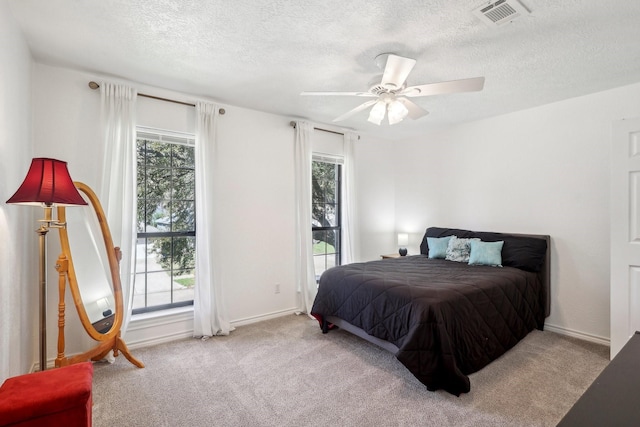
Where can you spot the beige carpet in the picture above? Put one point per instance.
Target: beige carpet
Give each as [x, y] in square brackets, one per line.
[285, 372]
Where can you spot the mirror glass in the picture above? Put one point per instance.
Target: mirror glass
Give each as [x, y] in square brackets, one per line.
[91, 266]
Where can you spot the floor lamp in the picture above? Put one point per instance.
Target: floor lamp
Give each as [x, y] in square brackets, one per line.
[47, 184]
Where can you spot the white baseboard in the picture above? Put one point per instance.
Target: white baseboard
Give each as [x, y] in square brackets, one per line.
[260, 318]
[577, 334]
[160, 328]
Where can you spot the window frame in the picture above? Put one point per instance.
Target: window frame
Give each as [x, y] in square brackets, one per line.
[168, 137]
[338, 161]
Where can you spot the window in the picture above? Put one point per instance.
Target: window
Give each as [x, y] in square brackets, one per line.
[325, 213]
[165, 252]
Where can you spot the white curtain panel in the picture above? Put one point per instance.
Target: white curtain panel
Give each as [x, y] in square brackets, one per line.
[209, 311]
[118, 187]
[349, 223]
[305, 271]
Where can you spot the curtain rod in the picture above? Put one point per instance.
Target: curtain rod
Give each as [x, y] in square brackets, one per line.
[93, 85]
[293, 125]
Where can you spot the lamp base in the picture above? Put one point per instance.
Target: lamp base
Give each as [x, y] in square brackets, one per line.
[402, 251]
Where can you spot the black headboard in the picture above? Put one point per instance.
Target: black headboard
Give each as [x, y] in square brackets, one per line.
[531, 252]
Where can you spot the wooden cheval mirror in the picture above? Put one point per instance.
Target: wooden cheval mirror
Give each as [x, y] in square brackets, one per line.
[93, 274]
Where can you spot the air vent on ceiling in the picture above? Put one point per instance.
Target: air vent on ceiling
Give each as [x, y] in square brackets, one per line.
[500, 12]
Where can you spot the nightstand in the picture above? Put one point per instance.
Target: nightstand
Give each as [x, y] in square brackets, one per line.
[389, 256]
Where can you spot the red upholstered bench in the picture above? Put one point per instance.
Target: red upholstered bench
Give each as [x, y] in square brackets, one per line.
[57, 397]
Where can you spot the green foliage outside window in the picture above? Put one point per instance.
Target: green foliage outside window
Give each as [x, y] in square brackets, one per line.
[324, 207]
[166, 201]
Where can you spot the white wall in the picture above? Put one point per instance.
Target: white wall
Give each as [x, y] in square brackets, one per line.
[18, 255]
[544, 170]
[256, 157]
[256, 153]
[375, 195]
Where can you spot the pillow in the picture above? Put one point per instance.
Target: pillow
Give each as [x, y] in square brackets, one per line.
[458, 249]
[486, 253]
[438, 246]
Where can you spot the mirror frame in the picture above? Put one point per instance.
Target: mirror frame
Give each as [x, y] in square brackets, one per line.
[108, 341]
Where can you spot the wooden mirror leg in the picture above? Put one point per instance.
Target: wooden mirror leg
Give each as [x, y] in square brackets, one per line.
[120, 345]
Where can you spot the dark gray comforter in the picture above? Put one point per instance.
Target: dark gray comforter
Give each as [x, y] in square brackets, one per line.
[448, 319]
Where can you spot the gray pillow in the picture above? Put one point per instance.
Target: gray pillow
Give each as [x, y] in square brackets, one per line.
[458, 249]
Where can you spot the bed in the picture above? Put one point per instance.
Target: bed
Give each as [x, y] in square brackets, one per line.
[443, 319]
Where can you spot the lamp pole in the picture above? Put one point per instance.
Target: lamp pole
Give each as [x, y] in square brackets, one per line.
[42, 239]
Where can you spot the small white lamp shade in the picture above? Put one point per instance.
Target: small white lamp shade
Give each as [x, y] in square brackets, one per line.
[378, 112]
[396, 112]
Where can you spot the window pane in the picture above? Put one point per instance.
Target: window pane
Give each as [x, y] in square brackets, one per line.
[319, 242]
[159, 254]
[320, 265]
[141, 256]
[158, 154]
[183, 216]
[324, 190]
[140, 291]
[184, 184]
[184, 289]
[158, 183]
[317, 214]
[330, 216]
[184, 254]
[159, 288]
[183, 156]
[333, 242]
[156, 215]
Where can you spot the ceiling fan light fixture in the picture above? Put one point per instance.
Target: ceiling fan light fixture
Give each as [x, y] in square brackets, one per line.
[391, 95]
[397, 112]
[378, 112]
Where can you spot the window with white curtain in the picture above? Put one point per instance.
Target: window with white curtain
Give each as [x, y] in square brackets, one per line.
[326, 193]
[165, 252]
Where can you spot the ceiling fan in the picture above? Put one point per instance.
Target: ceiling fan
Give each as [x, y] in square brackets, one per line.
[392, 92]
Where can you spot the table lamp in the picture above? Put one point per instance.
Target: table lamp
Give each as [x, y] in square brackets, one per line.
[403, 241]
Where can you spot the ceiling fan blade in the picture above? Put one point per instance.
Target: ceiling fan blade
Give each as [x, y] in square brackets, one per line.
[415, 111]
[454, 86]
[359, 108]
[396, 71]
[365, 94]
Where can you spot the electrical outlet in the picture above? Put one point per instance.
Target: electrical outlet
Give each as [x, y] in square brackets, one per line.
[277, 288]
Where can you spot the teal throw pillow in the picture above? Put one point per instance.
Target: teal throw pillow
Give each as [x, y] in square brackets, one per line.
[486, 253]
[438, 246]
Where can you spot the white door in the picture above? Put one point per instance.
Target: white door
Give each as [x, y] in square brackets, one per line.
[625, 232]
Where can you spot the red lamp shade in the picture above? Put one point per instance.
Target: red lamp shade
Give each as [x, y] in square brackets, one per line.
[47, 182]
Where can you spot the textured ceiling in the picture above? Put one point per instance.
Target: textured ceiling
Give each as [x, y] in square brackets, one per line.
[262, 54]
